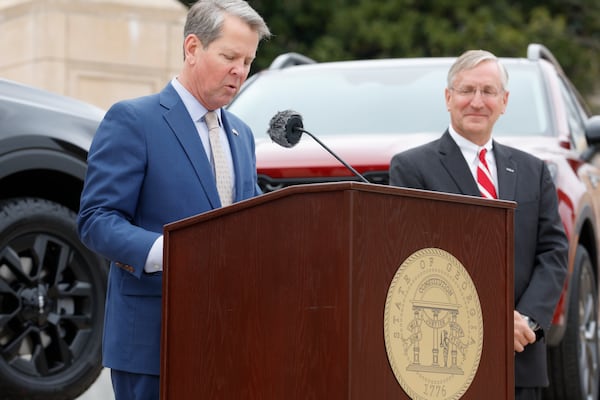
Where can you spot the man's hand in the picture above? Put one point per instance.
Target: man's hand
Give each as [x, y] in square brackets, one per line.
[523, 333]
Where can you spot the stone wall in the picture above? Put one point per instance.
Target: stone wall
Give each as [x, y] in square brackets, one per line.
[99, 51]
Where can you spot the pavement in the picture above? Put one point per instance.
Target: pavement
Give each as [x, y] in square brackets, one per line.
[101, 389]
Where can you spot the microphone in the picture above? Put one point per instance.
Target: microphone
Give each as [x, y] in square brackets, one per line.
[286, 129]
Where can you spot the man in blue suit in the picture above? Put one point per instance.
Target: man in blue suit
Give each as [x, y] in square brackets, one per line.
[151, 163]
[476, 96]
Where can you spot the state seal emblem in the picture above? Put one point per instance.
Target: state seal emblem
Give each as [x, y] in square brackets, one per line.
[433, 326]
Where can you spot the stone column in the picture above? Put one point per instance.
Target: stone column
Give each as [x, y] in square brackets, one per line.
[99, 51]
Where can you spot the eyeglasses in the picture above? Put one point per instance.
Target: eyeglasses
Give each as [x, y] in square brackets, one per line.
[488, 92]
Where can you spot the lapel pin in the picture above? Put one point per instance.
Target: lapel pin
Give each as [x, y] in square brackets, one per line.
[510, 169]
[235, 132]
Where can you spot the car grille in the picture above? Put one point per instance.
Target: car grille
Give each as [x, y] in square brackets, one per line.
[267, 184]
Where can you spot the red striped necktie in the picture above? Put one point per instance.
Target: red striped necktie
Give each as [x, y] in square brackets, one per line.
[484, 178]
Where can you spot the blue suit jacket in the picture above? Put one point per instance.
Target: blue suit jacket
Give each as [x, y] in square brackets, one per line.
[541, 246]
[146, 168]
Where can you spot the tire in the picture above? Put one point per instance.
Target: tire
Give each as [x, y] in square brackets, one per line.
[52, 291]
[573, 364]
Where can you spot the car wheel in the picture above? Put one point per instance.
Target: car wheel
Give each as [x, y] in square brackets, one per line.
[52, 291]
[573, 364]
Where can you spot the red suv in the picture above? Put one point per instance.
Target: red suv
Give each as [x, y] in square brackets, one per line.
[367, 111]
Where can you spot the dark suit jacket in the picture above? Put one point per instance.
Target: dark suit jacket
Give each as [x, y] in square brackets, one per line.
[541, 246]
[146, 168]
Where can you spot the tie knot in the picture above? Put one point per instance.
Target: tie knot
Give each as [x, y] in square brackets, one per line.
[482, 154]
[212, 122]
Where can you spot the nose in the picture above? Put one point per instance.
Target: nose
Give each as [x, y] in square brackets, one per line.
[477, 99]
[239, 68]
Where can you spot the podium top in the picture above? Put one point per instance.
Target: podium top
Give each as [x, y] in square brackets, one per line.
[339, 186]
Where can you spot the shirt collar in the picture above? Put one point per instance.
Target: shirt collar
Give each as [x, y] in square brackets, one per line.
[193, 106]
[468, 147]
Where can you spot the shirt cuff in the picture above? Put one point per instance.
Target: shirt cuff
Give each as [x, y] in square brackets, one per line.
[154, 262]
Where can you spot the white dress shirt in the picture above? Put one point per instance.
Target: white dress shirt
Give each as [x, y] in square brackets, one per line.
[470, 152]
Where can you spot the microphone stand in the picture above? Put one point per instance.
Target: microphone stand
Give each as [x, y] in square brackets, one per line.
[355, 172]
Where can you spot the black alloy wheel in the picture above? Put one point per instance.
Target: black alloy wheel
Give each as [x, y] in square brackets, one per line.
[52, 291]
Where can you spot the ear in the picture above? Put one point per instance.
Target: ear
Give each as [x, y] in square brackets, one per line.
[447, 96]
[191, 45]
[505, 101]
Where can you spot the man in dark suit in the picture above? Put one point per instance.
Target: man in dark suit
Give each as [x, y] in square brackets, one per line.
[476, 95]
[151, 163]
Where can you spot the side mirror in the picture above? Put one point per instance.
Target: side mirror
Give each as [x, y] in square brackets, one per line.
[592, 130]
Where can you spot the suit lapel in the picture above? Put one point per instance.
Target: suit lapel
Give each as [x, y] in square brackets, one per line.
[454, 162]
[507, 172]
[183, 127]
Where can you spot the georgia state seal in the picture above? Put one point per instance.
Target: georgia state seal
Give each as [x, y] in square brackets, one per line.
[433, 326]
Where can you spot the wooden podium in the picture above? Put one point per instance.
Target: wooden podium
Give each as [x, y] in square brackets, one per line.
[282, 296]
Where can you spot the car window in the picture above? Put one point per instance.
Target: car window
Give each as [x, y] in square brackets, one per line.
[527, 110]
[335, 102]
[574, 115]
[381, 100]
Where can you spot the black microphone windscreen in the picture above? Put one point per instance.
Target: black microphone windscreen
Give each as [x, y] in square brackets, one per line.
[285, 128]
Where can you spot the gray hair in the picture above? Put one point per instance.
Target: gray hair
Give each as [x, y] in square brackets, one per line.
[471, 59]
[205, 19]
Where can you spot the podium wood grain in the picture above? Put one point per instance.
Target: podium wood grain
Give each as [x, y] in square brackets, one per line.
[283, 296]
